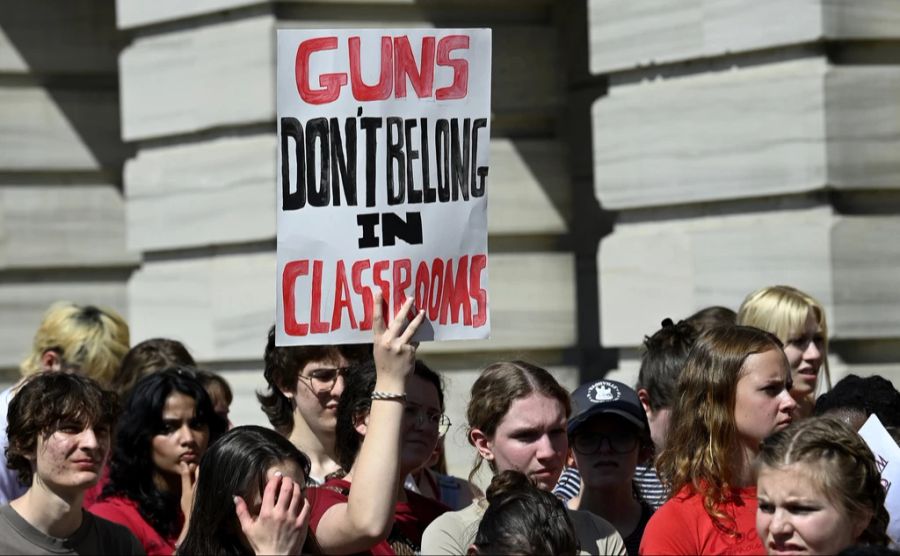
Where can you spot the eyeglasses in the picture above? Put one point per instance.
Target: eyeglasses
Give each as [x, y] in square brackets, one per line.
[322, 381]
[423, 417]
[619, 442]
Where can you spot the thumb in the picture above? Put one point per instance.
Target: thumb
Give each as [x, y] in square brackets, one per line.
[243, 514]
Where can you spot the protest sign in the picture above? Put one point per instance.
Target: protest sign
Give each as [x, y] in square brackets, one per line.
[887, 459]
[382, 181]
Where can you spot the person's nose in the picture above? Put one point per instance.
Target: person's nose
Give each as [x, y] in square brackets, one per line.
[788, 403]
[812, 352]
[187, 436]
[338, 387]
[781, 523]
[88, 439]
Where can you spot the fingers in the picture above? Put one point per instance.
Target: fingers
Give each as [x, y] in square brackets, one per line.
[411, 329]
[396, 325]
[270, 494]
[297, 500]
[378, 315]
[285, 495]
[243, 514]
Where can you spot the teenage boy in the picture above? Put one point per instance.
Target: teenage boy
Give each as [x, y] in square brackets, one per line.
[305, 384]
[59, 439]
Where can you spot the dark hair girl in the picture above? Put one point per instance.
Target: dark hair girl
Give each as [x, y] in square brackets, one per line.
[166, 426]
[246, 462]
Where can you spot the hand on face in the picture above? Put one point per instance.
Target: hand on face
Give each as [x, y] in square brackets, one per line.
[283, 520]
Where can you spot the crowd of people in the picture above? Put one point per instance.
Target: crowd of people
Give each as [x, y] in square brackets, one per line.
[732, 441]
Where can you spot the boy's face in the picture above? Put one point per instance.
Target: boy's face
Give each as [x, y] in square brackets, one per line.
[72, 456]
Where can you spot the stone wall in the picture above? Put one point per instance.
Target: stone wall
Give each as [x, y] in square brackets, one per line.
[62, 215]
[745, 144]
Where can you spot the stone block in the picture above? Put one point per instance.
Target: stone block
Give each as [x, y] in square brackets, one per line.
[650, 271]
[199, 78]
[753, 132]
[41, 37]
[625, 35]
[49, 129]
[866, 271]
[221, 306]
[62, 226]
[776, 129]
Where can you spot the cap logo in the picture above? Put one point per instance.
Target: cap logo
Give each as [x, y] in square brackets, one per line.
[603, 392]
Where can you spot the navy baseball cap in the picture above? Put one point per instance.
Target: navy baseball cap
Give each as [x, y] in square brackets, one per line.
[606, 397]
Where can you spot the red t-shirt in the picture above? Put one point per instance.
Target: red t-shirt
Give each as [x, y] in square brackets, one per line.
[124, 512]
[682, 526]
[410, 518]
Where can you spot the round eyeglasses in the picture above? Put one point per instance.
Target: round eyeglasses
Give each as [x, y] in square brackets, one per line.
[422, 417]
[322, 380]
[618, 442]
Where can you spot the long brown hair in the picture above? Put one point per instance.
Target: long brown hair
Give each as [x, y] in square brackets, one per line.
[703, 443]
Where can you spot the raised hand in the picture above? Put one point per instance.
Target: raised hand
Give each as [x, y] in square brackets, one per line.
[395, 354]
[283, 520]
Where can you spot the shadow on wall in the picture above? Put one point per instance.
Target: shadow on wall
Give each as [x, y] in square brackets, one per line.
[68, 51]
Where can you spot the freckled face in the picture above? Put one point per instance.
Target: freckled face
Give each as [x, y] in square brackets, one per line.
[72, 456]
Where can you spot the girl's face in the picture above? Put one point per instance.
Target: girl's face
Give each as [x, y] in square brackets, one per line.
[183, 438]
[805, 353]
[796, 517]
[530, 438]
[762, 402]
[421, 423]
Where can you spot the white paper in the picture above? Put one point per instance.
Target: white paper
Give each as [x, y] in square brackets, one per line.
[887, 458]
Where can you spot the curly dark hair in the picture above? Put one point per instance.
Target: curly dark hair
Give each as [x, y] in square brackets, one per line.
[46, 401]
[131, 466]
[283, 365]
[356, 401]
[872, 394]
[523, 519]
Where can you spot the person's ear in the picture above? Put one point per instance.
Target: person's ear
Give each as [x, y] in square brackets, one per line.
[361, 424]
[482, 444]
[472, 550]
[644, 396]
[51, 360]
[860, 524]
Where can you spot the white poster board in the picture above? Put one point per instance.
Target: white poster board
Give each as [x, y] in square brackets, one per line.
[382, 179]
[887, 458]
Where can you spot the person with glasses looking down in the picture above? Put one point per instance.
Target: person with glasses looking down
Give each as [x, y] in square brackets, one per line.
[389, 420]
[305, 384]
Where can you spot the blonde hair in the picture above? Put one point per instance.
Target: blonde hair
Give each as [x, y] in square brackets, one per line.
[840, 463]
[87, 338]
[782, 310]
[703, 443]
[498, 386]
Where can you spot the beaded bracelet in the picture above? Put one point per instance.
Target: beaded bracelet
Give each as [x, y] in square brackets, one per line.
[388, 396]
